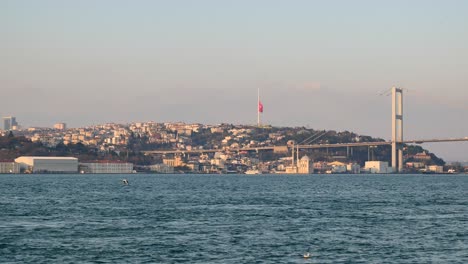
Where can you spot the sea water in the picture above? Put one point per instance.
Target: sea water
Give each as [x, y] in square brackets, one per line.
[233, 219]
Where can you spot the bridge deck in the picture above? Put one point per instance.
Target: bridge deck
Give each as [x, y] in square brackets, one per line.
[315, 146]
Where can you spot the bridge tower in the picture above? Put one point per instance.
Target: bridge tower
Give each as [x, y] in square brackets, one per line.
[397, 129]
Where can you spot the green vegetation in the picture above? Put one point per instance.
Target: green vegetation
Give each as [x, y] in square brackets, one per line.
[12, 147]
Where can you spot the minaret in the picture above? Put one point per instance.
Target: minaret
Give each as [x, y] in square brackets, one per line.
[292, 162]
[297, 157]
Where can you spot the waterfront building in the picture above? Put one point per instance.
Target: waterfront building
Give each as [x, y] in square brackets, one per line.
[106, 166]
[194, 166]
[161, 168]
[208, 168]
[48, 164]
[291, 170]
[415, 165]
[9, 123]
[435, 169]
[321, 166]
[353, 168]
[9, 167]
[218, 163]
[337, 167]
[377, 167]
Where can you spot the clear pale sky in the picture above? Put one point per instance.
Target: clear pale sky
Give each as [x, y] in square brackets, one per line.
[319, 64]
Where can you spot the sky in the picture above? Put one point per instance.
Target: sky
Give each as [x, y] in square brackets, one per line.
[318, 64]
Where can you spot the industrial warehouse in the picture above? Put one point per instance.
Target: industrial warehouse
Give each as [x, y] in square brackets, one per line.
[48, 164]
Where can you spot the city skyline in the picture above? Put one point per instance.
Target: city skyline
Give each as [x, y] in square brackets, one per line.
[320, 65]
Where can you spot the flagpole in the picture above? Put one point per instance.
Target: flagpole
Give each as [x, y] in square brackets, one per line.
[258, 108]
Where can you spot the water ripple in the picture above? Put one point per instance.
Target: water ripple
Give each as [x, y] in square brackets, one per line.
[233, 219]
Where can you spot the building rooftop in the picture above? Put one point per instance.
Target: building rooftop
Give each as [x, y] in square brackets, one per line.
[49, 158]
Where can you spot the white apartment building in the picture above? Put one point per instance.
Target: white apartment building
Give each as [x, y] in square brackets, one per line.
[377, 167]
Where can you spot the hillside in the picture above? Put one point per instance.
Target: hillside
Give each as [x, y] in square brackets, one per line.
[225, 136]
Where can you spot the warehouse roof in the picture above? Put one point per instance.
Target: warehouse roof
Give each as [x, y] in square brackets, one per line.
[49, 158]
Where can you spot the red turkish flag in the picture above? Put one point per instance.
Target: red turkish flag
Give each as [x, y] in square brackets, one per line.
[260, 107]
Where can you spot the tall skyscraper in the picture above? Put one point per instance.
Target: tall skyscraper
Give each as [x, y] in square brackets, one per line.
[60, 126]
[9, 122]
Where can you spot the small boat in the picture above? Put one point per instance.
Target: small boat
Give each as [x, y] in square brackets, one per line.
[125, 181]
[306, 255]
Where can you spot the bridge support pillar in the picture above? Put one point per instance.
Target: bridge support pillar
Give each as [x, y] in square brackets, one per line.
[397, 129]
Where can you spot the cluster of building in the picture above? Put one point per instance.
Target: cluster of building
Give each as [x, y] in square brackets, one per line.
[183, 137]
[228, 163]
[218, 164]
[108, 136]
[175, 136]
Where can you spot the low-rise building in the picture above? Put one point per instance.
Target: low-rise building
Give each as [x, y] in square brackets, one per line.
[377, 167]
[415, 165]
[175, 162]
[435, 169]
[353, 168]
[9, 167]
[291, 170]
[194, 166]
[337, 167]
[161, 168]
[321, 166]
[106, 167]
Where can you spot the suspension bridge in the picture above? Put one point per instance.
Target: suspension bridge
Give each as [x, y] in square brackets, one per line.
[397, 143]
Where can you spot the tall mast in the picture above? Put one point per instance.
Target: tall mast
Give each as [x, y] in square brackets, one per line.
[258, 108]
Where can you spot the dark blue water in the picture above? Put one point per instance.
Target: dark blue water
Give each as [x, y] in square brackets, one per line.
[233, 219]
